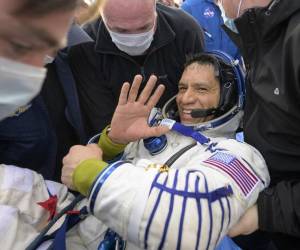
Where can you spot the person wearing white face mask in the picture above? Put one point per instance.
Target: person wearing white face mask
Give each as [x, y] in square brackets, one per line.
[19, 84]
[134, 37]
[132, 44]
[29, 30]
[270, 36]
[22, 49]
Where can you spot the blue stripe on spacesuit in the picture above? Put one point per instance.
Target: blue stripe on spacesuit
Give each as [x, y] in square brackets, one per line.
[210, 196]
[154, 210]
[182, 212]
[199, 213]
[210, 213]
[101, 178]
[229, 211]
[222, 220]
[161, 244]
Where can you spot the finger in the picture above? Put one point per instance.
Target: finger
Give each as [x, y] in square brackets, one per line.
[144, 96]
[65, 178]
[134, 90]
[156, 96]
[67, 170]
[65, 159]
[93, 146]
[124, 93]
[157, 131]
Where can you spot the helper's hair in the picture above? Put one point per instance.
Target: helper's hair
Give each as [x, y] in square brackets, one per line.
[37, 8]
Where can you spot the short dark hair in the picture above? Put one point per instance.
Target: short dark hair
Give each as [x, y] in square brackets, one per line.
[43, 7]
[204, 59]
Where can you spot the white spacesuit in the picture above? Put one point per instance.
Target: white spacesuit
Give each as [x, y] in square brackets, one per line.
[180, 191]
[184, 190]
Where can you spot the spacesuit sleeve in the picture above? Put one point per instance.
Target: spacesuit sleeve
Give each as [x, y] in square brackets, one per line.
[192, 207]
[21, 216]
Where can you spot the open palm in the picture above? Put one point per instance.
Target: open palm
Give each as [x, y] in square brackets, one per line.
[130, 119]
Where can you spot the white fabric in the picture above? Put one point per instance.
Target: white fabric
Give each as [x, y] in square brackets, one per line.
[118, 200]
[21, 218]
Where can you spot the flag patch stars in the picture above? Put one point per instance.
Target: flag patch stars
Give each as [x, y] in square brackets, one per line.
[229, 164]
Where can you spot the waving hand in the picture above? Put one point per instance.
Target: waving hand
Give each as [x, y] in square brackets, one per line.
[130, 120]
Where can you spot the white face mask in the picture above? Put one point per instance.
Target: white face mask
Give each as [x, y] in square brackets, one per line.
[48, 59]
[19, 84]
[132, 44]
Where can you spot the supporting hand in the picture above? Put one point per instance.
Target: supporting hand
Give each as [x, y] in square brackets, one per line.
[130, 120]
[247, 224]
[76, 155]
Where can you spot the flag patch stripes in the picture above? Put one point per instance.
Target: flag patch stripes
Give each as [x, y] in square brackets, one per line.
[243, 177]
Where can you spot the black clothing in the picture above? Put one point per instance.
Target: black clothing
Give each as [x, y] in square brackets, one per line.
[101, 68]
[55, 100]
[92, 28]
[270, 45]
[27, 139]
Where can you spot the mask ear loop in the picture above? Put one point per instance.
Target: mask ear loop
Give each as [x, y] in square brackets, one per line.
[239, 9]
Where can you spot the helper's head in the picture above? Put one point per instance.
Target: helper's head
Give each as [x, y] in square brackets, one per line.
[170, 3]
[210, 90]
[29, 30]
[131, 24]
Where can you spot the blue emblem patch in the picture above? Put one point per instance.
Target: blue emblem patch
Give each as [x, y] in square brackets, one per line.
[209, 13]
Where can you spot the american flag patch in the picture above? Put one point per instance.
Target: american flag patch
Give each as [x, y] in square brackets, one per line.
[229, 164]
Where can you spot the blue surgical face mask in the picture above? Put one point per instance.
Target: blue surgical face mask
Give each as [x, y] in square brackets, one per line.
[229, 22]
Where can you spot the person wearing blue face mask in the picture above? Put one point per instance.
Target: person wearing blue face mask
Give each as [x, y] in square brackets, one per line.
[269, 33]
[211, 17]
[229, 22]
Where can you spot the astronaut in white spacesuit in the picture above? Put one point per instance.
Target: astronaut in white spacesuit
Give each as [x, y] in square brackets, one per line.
[168, 191]
[181, 190]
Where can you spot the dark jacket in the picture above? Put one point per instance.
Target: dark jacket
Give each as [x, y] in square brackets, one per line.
[27, 139]
[271, 49]
[101, 68]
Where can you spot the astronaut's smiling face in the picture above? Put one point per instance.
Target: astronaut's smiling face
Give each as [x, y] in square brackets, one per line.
[198, 88]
